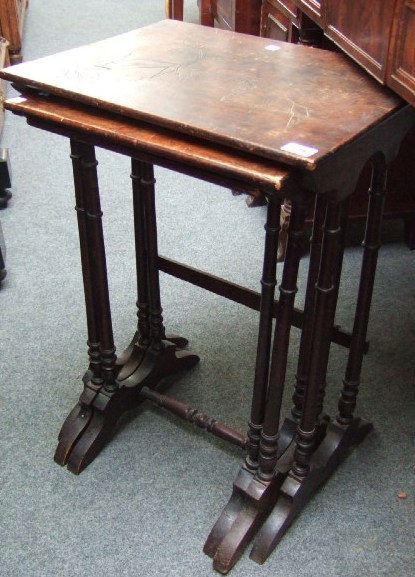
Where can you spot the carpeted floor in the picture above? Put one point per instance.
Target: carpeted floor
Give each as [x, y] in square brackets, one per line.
[145, 506]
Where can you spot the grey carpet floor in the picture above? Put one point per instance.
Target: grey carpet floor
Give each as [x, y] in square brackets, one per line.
[145, 506]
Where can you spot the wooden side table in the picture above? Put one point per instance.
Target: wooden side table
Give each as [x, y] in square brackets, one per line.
[158, 115]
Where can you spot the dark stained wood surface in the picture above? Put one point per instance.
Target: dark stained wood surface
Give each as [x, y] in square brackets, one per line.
[228, 88]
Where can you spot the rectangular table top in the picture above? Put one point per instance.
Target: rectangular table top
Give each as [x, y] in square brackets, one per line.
[281, 101]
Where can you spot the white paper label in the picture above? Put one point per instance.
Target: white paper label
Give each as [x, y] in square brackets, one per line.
[17, 99]
[299, 149]
[272, 47]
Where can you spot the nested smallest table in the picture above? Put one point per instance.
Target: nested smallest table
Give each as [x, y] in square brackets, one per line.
[275, 119]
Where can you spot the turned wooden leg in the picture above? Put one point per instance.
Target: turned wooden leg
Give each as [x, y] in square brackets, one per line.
[155, 355]
[86, 238]
[268, 283]
[323, 318]
[111, 387]
[306, 342]
[270, 431]
[257, 486]
[371, 244]
[132, 357]
[232, 530]
[319, 446]
[101, 351]
[98, 277]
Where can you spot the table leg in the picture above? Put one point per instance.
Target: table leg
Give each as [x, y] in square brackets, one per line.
[256, 487]
[100, 339]
[371, 244]
[306, 342]
[319, 446]
[268, 282]
[112, 387]
[154, 354]
[132, 357]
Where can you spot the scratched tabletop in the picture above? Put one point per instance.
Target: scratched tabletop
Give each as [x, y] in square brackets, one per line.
[281, 101]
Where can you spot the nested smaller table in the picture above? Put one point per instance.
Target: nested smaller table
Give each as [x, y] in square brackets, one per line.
[284, 121]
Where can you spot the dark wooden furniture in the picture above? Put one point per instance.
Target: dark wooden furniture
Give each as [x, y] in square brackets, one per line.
[378, 34]
[282, 20]
[287, 135]
[238, 15]
[12, 13]
[174, 9]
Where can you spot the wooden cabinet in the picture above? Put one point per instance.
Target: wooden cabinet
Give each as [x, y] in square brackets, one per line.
[283, 20]
[378, 34]
[279, 20]
[12, 14]
[362, 30]
[401, 69]
[239, 15]
[313, 9]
